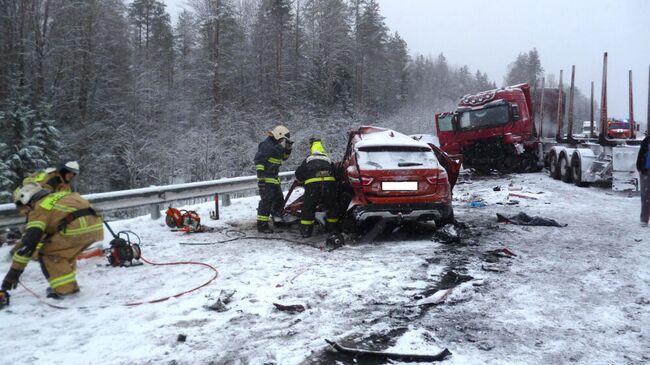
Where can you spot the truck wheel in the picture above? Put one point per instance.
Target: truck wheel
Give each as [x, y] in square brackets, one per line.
[565, 170]
[554, 168]
[576, 171]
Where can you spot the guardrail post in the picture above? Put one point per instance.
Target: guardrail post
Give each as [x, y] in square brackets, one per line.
[214, 215]
[225, 200]
[154, 211]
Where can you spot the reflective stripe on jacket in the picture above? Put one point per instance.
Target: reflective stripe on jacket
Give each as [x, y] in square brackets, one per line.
[268, 159]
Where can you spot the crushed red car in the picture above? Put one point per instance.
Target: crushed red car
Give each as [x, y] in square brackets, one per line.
[386, 175]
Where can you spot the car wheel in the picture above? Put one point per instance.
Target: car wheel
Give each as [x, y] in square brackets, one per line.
[554, 168]
[449, 219]
[565, 169]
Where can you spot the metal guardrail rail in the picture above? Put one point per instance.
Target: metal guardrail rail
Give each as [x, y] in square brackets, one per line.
[152, 196]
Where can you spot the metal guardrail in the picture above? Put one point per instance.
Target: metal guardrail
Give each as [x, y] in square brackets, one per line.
[151, 196]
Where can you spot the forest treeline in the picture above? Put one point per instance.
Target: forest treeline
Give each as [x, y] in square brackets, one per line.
[141, 100]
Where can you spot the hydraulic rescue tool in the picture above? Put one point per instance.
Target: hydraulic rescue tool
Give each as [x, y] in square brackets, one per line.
[183, 220]
[123, 252]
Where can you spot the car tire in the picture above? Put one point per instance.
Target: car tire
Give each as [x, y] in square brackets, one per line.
[449, 219]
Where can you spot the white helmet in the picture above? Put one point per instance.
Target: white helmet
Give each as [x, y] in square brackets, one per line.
[24, 194]
[280, 132]
[70, 166]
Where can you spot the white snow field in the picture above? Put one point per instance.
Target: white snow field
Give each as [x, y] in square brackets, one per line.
[573, 295]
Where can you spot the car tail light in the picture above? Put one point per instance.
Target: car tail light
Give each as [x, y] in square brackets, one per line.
[441, 178]
[359, 182]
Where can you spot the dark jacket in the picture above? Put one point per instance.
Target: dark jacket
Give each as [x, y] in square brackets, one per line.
[315, 166]
[643, 154]
[268, 160]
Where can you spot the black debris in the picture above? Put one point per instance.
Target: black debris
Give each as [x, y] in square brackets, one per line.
[524, 219]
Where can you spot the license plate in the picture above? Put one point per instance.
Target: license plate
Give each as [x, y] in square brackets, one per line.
[399, 186]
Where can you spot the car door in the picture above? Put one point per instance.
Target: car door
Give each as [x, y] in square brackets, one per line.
[452, 167]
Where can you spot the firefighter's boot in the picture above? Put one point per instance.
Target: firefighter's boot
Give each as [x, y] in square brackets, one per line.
[4, 298]
[263, 227]
[306, 230]
[51, 293]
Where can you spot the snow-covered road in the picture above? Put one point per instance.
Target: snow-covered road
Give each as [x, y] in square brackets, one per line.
[579, 294]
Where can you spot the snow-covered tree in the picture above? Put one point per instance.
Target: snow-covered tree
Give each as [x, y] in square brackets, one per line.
[329, 52]
[29, 141]
[526, 68]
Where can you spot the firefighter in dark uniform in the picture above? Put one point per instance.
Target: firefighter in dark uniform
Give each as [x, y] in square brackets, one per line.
[56, 178]
[317, 175]
[59, 227]
[270, 154]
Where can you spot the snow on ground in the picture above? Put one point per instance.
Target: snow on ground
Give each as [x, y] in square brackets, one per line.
[579, 294]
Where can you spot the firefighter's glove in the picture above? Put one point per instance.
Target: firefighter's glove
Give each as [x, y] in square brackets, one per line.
[287, 147]
[11, 279]
[25, 251]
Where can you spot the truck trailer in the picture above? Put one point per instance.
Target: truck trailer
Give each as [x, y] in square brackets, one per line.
[496, 130]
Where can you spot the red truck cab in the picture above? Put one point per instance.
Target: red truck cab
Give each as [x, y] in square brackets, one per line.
[619, 129]
[491, 130]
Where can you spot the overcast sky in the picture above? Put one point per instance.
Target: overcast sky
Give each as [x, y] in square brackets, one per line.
[488, 35]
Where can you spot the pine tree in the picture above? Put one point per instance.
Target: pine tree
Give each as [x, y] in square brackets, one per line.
[330, 53]
[7, 176]
[526, 68]
[396, 74]
[217, 61]
[372, 39]
[31, 140]
[274, 19]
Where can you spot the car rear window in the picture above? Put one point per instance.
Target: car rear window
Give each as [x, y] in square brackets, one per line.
[395, 158]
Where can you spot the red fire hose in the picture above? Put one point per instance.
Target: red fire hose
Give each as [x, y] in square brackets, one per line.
[216, 274]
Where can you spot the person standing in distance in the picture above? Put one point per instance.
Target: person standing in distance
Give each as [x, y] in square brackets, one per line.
[643, 166]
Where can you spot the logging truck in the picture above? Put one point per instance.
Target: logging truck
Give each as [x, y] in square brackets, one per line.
[496, 130]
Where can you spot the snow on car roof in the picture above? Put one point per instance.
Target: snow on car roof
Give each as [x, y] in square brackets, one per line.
[388, 138]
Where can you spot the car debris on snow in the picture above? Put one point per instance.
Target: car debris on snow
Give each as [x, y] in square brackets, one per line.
[359, 353]
[292, 308]
[447, 234]
[524, 219]
[476, 204]
[493, 268]
[521, 196]
[436, 298]
[225, 297]
[501, 252]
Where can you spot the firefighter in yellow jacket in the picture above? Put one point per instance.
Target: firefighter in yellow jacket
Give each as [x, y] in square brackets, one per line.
[56, 178]
[66, 224]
